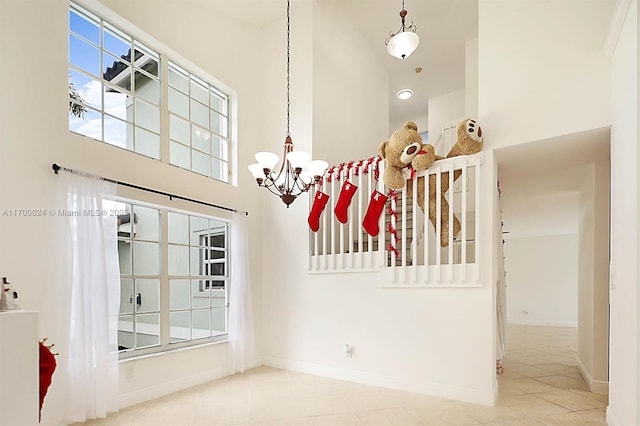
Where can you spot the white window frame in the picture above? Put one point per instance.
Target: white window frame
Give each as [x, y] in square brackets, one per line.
[165, 344]
[215, 135]
[228, 144]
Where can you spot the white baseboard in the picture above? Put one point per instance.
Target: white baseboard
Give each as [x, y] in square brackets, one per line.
[166, 388]
[611, 418]
[573, 324]
[597, 386]
[410, 385]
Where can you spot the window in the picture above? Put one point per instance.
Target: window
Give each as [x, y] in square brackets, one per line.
[115, 86]
[139, 256]
[117, 79]
[197, 276]
[192, 282]
[199, 125]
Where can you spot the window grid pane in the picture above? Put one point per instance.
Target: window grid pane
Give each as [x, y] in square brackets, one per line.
[139, 256]
[206, 109]
[101, 65]
[202, 287]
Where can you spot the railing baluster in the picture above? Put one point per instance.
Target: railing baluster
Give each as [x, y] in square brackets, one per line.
[379, 186]
[343, 178]
[369, 237]
[332, 234]
[451, 228]
[392, 253]
[476, 231]
[362, 193]
[414, 231]
[427, 224]
[350, 223]
[403, 241]
[463, 248]
[438, 221]
[325, 257]
[313, 258]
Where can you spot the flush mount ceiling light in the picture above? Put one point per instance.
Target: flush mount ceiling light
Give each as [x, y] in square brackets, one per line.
[297, 172]
[405, 41]
[404, 94]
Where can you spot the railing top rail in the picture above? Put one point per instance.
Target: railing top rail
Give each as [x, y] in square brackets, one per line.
[453, 162]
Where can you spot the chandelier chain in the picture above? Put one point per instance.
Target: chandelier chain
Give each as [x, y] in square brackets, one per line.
[288, 63]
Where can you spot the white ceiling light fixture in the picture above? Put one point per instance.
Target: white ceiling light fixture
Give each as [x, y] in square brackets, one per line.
[404, 94]
[405, 41]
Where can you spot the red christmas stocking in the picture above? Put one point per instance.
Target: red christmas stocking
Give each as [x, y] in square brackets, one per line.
[346, 194]
[47, 367]
[319, 202]
[376, 205]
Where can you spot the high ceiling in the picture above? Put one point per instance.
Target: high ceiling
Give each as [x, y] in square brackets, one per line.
[533, 176]
[443, 26]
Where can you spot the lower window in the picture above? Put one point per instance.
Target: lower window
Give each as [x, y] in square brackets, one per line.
[182, 300]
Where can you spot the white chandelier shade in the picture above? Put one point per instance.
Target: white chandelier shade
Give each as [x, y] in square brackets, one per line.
[403, 44]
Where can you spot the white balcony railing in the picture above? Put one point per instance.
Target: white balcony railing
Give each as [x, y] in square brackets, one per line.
[408, 250]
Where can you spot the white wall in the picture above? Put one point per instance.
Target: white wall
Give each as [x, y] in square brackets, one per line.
[535, 61]
[350, 90]
[436, 341]
[593, 270]
[444, 109]
[541, 69]
[471, 79]
[34, 122]
[542, 280]
[623, 368]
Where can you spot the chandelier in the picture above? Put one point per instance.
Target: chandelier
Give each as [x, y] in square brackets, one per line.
[405, 41]
[297, 172]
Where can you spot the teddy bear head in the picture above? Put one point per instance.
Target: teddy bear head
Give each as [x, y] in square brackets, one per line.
[402, 146]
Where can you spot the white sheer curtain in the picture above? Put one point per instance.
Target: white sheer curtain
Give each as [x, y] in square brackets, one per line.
[87, 299]
[240, 329]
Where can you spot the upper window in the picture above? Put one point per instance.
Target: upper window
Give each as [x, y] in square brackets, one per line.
[115, 87]
[199, 125]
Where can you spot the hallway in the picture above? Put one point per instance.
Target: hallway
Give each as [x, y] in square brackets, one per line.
[542, 379]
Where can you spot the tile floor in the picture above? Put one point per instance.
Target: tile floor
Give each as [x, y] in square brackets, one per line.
[540, 386]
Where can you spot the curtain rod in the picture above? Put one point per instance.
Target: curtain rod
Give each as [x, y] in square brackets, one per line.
[56, 168]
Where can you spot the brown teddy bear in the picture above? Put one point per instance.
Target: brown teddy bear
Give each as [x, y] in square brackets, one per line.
[469, 141]
[404, 148]
[400, 151]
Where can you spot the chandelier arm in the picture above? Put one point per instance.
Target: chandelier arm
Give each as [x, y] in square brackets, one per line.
[302, 186]
[271, 189]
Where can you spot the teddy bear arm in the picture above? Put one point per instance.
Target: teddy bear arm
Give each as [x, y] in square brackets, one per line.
[465, 146]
